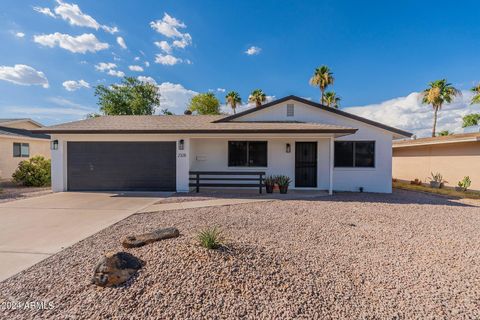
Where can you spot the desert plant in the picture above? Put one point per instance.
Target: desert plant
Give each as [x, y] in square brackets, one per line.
[465, 183]
[210, 238]
[34, 172]
[270, 183]
[416, 182]
[436, 180]
[322, 78]
[283, 183]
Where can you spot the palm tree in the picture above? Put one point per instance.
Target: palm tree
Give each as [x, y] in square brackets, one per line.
[332, 100]
[476, 97]
[258, 97]
[438, 93]
[322, 78]
[232, 99]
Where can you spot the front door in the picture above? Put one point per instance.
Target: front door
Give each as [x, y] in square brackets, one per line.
[306, 164]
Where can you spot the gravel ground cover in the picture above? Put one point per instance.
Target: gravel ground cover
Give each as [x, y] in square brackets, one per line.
[351, 256]
[10, 193]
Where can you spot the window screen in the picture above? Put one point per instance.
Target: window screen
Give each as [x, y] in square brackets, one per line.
[21, 150]
[290, 110]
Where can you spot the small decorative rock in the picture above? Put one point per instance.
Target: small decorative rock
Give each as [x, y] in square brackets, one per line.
[143, 239]
[115, 268]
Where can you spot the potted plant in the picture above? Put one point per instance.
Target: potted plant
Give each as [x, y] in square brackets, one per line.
[464, 184]
[436, 180]
[269, 183]
[283, 183]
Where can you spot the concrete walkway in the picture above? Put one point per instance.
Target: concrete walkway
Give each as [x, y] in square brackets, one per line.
[35, 228]
[198, 204]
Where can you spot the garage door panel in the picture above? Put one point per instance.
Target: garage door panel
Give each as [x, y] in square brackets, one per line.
[121, 166]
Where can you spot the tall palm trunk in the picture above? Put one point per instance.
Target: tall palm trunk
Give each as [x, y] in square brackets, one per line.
[234, 108]
[434, 120]
[322, 92]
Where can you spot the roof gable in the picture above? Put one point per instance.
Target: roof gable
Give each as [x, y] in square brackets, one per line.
[319, 106]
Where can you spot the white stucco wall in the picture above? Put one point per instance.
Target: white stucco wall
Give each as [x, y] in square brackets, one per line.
[59, 157]
[378, 179]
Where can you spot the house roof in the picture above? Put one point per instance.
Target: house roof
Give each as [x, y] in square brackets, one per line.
[5, 121]
[6, 131]
[454, 138]
[187, 124]
[322, 107]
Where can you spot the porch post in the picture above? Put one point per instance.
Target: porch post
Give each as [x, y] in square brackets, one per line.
[330, 189]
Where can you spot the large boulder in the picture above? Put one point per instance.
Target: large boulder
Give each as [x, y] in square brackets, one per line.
[115, 268]
[143, 239]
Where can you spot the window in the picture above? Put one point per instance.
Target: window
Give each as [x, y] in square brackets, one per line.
[358, 154]
[290, 110]
[21, 150]
[247, 153]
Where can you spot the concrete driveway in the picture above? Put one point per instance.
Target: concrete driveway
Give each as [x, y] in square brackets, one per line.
[35, 228]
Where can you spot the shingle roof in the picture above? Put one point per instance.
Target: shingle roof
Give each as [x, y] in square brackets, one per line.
[22, 133]
[454, 138]
[12, 119]
[187, 124]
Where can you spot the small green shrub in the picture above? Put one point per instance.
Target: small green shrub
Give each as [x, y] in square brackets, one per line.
[34, 172]
[210, 238]
[283, 181]
[270, 180]
[465, 183]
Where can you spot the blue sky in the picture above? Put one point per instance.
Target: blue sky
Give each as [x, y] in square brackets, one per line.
[381, 52]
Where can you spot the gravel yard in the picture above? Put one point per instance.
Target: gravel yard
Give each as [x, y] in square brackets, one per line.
[356, 256]
[12, 192]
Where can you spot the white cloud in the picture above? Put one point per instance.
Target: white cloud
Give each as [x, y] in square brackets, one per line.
[137, 59]
[72, 13]
[164, 46]
[116, 73]
[23, 75]
[19, 34]
[147, 79]
[221, 90]
[121, 42]
[45, 11]
[147, 64]
[168, 59]
[72, 85]
[110, 69]
[103, 66]
[408, 113]
[253, 50]
[80, 44]
[170, 28]
[174, 97]
[135, 68]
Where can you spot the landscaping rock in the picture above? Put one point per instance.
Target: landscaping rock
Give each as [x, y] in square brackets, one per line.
[143, 239]
[115, 268]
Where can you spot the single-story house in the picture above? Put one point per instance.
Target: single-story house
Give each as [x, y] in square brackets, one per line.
[318, 147]
[454, 156]
[18, 143]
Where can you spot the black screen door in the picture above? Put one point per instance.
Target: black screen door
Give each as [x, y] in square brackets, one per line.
[306, 164]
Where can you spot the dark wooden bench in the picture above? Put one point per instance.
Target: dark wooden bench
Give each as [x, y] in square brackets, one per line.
[225, 179]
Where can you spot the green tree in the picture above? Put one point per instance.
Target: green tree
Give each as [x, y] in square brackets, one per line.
[476, 96]
[232, 99]
[130, 97]
[258, 97]
[332, 100]
[444, 133]
[438, 93]
[205, 103]
[166, 112]
[322, 78]
[472, 119]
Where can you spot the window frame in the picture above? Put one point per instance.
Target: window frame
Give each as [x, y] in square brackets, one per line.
[21, 145]
[354, 166]
[290, 110]
[248, 154]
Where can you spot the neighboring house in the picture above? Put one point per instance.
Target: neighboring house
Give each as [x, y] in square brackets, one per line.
[18, 143]
[454, 156]
[318, 147]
